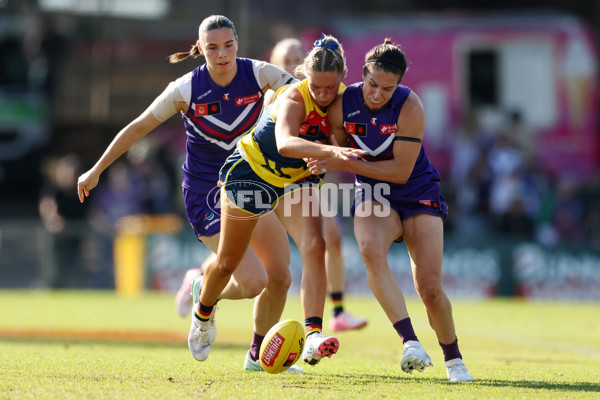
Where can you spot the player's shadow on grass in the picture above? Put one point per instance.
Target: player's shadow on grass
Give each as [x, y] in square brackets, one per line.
[365, 379]
[529, 384]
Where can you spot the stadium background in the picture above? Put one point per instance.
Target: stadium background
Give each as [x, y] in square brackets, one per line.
[73, 73]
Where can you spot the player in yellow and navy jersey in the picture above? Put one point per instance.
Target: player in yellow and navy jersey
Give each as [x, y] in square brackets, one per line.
[266, 164]
[288, 53]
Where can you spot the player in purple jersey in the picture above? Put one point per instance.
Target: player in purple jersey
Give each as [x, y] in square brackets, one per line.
[397, 198]
[220, 101]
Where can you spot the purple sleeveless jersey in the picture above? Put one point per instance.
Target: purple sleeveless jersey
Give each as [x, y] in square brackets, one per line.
[374, 132]
[216, 120]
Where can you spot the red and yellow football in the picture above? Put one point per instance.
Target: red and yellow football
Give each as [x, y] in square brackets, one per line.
[282, 346]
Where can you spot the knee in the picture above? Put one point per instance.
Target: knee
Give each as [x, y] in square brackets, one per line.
[430, 293]
[280, 281]
[315, 245]
[373, 255]
[225, 266]
[253, 287]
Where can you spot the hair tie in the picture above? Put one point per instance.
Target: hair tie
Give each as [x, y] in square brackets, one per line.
[332, 45]
[388, 62]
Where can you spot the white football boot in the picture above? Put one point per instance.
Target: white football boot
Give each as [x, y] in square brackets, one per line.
[457, 371]
[195, 290]
[414, 357]
[251, 365]
[318, 346]
[199, 338]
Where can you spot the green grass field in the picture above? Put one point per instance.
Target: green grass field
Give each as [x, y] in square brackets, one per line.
[95, 345]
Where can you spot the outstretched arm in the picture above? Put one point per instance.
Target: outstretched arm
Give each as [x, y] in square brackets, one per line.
[173, 99]
[133, 132]
[411, 124]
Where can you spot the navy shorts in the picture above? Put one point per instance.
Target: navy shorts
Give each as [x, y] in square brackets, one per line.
[248, 191]
[202, 211]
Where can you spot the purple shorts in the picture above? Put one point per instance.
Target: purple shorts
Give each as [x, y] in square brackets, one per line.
[431, 203]
[199, 208]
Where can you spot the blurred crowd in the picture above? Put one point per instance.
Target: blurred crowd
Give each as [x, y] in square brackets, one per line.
[494, 188]
[142, 183]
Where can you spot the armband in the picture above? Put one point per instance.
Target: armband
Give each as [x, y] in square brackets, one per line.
[407, 139]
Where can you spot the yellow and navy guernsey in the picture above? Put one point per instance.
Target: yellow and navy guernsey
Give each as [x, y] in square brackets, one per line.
[259, 148]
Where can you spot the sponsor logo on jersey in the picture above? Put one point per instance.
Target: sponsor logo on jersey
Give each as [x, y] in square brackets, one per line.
[244, 101]
[317, 123]
[373, 121]
[226, 97]
[356, 129]
[388, 129]
[203, 95]
[213, 108]
[352, 114]
[309, 130]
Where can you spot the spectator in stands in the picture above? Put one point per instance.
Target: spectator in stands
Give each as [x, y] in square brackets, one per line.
[64, 217]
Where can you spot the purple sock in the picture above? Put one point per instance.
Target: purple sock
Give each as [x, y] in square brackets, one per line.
[405, 330]
[451, 351]
[255, 346]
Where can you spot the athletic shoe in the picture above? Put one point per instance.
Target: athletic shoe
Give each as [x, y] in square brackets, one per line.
[183, 298]
[346, 321]
[414, 357]
[195, 291]
[251, 365]
[318, 346]
[199, 339]
[457, 371]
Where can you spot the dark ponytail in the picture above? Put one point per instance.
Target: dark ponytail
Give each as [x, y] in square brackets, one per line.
[194, 53]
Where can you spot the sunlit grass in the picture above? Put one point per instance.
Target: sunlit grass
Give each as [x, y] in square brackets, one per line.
[515, 349]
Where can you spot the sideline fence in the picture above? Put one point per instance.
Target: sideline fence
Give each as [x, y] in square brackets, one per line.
[32, 257]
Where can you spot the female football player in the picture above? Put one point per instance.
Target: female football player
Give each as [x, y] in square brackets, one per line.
[219, 101]
[267, 170]
[398, 198]
[288, 54]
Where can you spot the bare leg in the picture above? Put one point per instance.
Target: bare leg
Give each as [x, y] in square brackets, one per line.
[304, 226]
[334, 262]
[425, 242]
[374, 236]
[271, 243]
[305, 230]
[236, 234]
